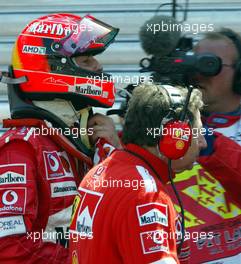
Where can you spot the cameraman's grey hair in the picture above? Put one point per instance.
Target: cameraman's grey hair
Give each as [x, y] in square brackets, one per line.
[195, 102]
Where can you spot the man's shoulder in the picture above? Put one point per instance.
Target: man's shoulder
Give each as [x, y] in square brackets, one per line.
[26, 138]
[25, 133]
[120, 176]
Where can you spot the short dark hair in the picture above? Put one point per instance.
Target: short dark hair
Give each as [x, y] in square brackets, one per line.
[149, 104]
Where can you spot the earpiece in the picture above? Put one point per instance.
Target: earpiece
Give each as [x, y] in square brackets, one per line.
[176, 142]
[176, 134]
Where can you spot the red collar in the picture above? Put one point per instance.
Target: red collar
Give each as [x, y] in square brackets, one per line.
[220, 120]
[158, 165]
[23, 122]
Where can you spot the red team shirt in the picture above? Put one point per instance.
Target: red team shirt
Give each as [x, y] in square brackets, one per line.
[134, 223]
[211, 194]
[38, 184]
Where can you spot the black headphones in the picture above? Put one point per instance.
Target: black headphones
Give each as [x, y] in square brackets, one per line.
[236, 40]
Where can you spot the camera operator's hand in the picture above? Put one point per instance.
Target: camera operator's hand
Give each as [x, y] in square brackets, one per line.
[103, 127]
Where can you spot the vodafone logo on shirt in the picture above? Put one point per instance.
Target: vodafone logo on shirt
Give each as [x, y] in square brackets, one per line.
[154, 241]
[12, 201]
[9, 197]
[152, 213]
[57, 165]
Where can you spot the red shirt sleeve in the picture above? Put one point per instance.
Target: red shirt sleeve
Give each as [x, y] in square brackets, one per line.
[145, 229]
[225, 165]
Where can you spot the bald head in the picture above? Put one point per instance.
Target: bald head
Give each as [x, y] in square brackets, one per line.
[218, 94]
[219, 44]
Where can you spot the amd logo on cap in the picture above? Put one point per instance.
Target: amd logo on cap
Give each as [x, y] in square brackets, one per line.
[34, 50]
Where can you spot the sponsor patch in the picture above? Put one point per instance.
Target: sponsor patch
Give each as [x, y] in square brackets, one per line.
[75, 207]
[50, 28]
[59, 189]
[152, 213]
[154, 241]
[178, 227]
[88, 89]
[87, 210]
[57, 227]
[149, 181]
[12, 225]
[34, 49]
[12, 174]
[98, 172]
[57, 165]
[75, 258]
[181, 134]
[12, 201]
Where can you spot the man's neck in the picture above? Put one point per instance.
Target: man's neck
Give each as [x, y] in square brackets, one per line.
[224, 107]
[155, 151]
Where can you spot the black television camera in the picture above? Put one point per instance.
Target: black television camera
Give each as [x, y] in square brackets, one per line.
[181, 65]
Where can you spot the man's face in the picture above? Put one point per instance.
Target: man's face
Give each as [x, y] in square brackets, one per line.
[215, 89]
[88, 63]
[198, 143]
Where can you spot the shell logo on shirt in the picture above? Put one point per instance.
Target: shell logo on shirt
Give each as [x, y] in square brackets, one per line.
[75, 258]
[75, 207]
